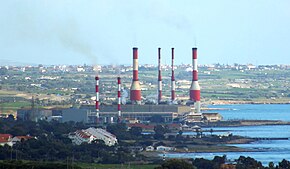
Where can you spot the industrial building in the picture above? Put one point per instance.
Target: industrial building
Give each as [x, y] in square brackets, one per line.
[91, 134]
[33, 114]
[137, 111]
[141, 113]
[78, 115]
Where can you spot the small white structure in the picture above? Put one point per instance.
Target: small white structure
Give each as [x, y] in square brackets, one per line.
[149, 148]
[212, 117]
[164, 148]
[91, 134]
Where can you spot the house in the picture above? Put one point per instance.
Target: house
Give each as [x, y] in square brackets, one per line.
[91, 134]
[80, 137]
[135, 148]
[20, 138]
[145, 127]
[164, 148]
[212, 117]
[6, 139]
[101, 134]
[149, 148]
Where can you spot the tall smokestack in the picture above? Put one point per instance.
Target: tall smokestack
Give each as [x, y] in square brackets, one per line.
[135, 92]
[119, 99]
[172, 76]
[159, 76]
[195, 88]
[97, 98]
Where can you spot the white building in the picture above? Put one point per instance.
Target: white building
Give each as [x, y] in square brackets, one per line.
[212, 117]
[164, 148]
[91, 134]
[149, 148]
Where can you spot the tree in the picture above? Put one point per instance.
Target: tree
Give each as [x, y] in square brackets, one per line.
[119, 130]
[271, 165]
[160, 131]
[284, 164]
[135, 131]
[176, 164]
[202, 163]
[218, 161]
[248, 163]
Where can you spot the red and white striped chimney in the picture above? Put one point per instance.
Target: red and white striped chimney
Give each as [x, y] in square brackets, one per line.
[172, 76]
[159, 76]
[97, 97]
[135, 92]
[119, 99]
[195, 88]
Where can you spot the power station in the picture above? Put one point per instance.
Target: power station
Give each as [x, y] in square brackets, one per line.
[137, 109]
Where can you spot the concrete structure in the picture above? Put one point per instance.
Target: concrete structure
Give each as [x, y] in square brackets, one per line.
[172, 76]
[38, 114]
[91, 134]
[145, 112]
[119, 99]
[141, 112]
[159, 77]
[135, 91]
[149, 148]
[195, 88]
[165, 148]
[212, 117]
[79, 115]
[193, 117]
[97, 98]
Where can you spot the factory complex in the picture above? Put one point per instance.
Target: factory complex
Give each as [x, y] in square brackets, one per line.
[134, 111]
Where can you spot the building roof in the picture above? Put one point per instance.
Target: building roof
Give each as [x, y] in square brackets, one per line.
[5, 136]
[143, 126]
[83, 134]
[24, 137]
[141, 108]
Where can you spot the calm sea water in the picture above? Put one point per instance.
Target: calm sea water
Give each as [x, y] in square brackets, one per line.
[254, 111]
[269, 150]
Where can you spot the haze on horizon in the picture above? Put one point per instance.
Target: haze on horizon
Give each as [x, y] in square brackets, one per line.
[104, 31]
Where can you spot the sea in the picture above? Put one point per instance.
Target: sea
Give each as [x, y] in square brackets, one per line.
[263, 150]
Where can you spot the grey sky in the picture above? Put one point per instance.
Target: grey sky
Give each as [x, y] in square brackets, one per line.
[104, 32]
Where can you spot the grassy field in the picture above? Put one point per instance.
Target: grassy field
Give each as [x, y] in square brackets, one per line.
[11, 107]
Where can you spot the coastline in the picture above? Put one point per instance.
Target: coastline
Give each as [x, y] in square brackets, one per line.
[200, 149]
[224, 102]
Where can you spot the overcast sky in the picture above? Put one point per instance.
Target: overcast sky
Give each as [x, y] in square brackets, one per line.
[104, 31]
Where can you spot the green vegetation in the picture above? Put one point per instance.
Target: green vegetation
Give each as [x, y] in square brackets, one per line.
[117, 166]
